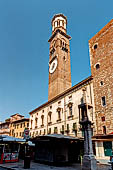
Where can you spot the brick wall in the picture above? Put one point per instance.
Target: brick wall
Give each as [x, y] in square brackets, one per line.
[101, 57]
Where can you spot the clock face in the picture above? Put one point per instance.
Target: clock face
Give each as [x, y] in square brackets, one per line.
[53, 66]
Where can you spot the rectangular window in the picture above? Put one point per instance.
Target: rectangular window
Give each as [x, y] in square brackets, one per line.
[70, 111]
[44, 131]
[103, 118]
[103, 101]
[62, 127]
[59, 115]
[55, 130]
[27, 124]
[104, 129]
[74, 126]
[67, 127]
[49, 132]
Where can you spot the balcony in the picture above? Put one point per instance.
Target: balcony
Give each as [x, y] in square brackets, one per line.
[70, 117]
[59, 120]
[62, 131]
[49, 123]
[74, 127]
[67, 130]
[42, 125]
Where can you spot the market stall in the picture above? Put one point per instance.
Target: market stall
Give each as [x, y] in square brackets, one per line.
[9, 148]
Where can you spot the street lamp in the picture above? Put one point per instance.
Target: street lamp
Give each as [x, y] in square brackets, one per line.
[89, 161]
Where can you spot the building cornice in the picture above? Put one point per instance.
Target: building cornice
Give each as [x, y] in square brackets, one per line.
[21, 120]
[61, 32]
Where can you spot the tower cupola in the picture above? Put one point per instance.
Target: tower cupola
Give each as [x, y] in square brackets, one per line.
[59, 21]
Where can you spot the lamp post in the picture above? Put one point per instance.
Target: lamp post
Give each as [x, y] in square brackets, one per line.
[89, 161]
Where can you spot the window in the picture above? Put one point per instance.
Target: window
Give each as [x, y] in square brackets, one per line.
[70, 110]
[44, 131]
[103, 101]
[62, 131]
[103, 118]
[31, 123]
[101, 83]
[67, 127]
[74, 126]
[63, 23]
[22, 134]
[27, 124]
[70, 105]
[55, 130]
[49, 132]
[36, 120]
[64, 58]
[49, 117]
[42, 117]
[60, 42]
[57, 23]
[21, 125]
[97, 66]
[59, 103]
[104, 129]
[95, 46]
[59, 115]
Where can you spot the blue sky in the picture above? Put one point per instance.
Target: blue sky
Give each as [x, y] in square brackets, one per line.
[25, 27]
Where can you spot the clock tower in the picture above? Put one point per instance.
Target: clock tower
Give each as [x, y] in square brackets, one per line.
[59, 57]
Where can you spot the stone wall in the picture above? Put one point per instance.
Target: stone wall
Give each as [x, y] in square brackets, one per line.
[101, 57]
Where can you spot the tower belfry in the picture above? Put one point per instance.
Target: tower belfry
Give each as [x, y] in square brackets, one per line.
[59, 57]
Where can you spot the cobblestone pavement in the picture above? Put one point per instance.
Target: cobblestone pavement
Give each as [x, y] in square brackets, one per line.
[36, 166]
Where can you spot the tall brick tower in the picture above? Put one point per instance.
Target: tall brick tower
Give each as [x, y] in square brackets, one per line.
[59, 57]
[101, 58]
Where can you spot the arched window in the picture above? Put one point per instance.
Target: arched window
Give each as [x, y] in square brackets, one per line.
[42, 117]
[97, 66]
[49, 117]
[95, 46]
[104, 129]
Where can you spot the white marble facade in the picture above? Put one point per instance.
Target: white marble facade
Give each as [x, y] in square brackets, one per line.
[61, 114]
